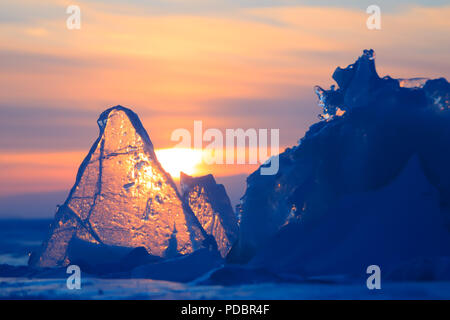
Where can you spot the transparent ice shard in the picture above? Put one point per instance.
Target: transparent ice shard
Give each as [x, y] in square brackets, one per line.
[122, 197]
[212, 207]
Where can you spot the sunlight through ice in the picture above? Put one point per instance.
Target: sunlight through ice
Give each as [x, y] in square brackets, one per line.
[176, 160]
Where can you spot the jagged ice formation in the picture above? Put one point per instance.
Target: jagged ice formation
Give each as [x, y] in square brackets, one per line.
[212, 207]
[122, 197]
[370, 130]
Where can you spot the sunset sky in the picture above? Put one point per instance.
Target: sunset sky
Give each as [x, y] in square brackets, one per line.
[230, 63]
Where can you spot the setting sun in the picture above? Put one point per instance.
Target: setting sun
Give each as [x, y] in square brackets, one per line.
[176, 160]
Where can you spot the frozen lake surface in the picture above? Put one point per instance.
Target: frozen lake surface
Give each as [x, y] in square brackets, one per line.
[19, 237]
[20, 288]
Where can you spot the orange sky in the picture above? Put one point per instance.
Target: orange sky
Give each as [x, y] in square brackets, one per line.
[231, 66]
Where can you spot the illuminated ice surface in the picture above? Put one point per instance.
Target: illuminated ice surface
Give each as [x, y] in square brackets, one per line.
[122, 197]
[212, 207]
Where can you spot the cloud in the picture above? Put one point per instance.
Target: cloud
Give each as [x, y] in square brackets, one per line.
[23, 12]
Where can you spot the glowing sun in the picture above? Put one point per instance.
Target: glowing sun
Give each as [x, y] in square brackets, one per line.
[175, 160]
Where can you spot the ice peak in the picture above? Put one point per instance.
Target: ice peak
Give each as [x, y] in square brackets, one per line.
[354, 85]
[212, 207]
[117, 109]
[189, 181]
[123, 117]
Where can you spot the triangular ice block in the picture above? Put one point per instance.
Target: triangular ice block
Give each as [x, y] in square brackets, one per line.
[122, 197]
